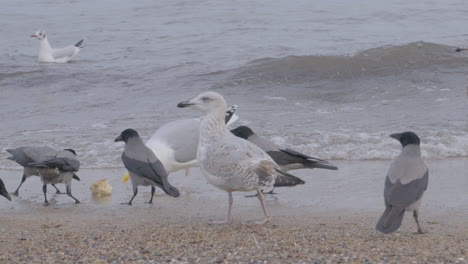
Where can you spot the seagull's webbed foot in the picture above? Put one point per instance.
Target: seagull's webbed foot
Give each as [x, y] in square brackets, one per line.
[15, 194]
[129, 203]
[150, 202]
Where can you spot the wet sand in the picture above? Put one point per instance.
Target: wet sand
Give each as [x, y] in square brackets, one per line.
[330, 219]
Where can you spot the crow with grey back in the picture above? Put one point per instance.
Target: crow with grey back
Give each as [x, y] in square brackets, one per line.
[143, 165]
[406, 181]
[25, 155]
[3, 191]
[287, 159]
[59, 168]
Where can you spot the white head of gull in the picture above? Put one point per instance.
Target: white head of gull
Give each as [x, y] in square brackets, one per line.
[229, 162]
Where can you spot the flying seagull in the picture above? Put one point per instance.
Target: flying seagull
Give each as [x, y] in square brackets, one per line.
[144, 167]
[49, 54]
[58, 168]
[28, 154]
[405, 184]
[3, 191]
[229, 162]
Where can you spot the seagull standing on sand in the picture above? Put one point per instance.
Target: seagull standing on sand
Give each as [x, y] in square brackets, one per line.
[405, 184]
[59, 168]
[28, 154]
[229, 162]
[144, 167]
[48, 54]
[3, 191]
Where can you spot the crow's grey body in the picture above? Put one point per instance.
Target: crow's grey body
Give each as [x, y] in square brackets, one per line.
[287, 159]
[59, 168]
[28, 154]
[405, 184]
[143, 165]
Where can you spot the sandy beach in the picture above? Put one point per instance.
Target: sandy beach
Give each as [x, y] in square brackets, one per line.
[330, 219]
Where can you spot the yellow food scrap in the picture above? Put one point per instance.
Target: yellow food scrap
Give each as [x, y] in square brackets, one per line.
[126, 177]
[101, 187]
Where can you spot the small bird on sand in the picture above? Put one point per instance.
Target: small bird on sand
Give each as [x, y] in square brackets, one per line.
[406, 181]
[229, 162]
[49, 54]
[58, 168]
[28, 154]
[3, 191]
[143, 165]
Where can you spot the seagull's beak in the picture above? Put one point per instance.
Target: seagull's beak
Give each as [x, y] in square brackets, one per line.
[119, 138]
[185, 104]
[33, 36]
[396, 136]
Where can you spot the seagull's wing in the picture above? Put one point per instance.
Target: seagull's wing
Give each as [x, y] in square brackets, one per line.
[180, 136]
[65, 53]
[397, 198]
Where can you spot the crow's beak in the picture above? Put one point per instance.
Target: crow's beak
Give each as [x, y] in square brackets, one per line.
[119, 138]
[396, 136]
[6, 194]
[185, 104]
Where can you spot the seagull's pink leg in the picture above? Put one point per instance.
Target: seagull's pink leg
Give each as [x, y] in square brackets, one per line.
[229, 216]
[265, 210]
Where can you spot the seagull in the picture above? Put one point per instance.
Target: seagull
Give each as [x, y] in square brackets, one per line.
[144, 167]
[58, 168]
[49, 54]
[405, 184]
[3, 191]
[286, 158]
[176, 143]
[229, 162]
[27, 154]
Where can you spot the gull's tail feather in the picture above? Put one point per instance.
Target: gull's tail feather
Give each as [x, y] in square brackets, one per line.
[390, 220]
[286, 179]
[79, 44]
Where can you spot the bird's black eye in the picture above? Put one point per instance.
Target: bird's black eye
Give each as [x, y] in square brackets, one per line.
[206, 99]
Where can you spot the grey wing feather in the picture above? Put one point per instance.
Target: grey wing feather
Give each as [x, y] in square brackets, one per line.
[182, 136]
[397, 198]
[65, 52]
[27, 154]
[145, 169]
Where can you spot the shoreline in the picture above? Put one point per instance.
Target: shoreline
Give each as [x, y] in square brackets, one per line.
[330, 219]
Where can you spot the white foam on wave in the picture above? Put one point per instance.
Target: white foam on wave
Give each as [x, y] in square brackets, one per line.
[348, 145]
[337, 145]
